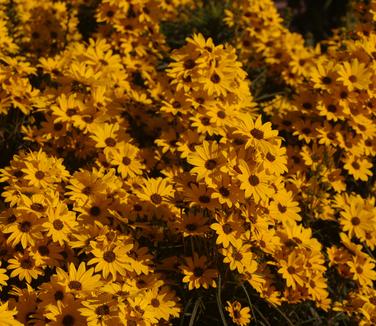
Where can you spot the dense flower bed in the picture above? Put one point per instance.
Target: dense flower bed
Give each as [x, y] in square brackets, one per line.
[158, 186]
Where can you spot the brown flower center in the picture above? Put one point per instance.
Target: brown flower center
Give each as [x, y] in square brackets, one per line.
[25, 226]
[102, 310]
[353, 79]
[68, 320]
[282, 208]
[26, 263]
[95, 211]
[227, 229]
[39, 175]
[224, 191]
[59, 295]
[210, 164]
[126, 160]
[189, 64]
[111, 142]
[58, 224]
[291, 269]
[155, 303]
[198, 271]
[215, 78]
[355, 165]
[43, 250]
[75, 285]
[254, 180]
[204, 199]
[109, 256]
[326, 80]
[258, 134]
[37, 207]
[355, 221]
[156, 198]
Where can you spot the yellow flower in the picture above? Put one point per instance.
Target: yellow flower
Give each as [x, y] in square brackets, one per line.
[78, 281]
[111, 259]
[354, 75]
[7, 316]
[197, 274]
[207, 161]
[258, 135]
[256, 184]
[239, 315]
[155, 190]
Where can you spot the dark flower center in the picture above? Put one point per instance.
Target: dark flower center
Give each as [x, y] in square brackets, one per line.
[326, 80]
[39, 175]
[258, 134]
[270, 157]
[26, 263]
[75, 285]
[43, 250]
[189, 64]
[210, 164]
[109, 256]
[59, 295]
[227, 229]
[25, 226]
[204, 199]
[215, 78]
[68, 320]
[95, 211]
[110, 142]
[282, 208]
[224, 191]
[254, 180]
[155, 303]
[126, 160]
[355, 165]
[37, 207]
[355, 221]
[58, 225]
[156, 198]
[102, 310]
[198, 271]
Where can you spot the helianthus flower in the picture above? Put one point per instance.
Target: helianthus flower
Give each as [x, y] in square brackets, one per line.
[284, 208]
[111, 258]
[259, 135]
[155, 190]
[193, 224]
[207, 160]
[228, 230]
[24, 267]
[100, 311]
[256, 184]
[359, 168]
[66, 314]
[60, 223]
[25, 230]
[197, 274]
[356, 220]
[240, 316]
[240, 257]
[125, 158]
[354, 75]
[3, 277]
[7, 315]
[292, 270]
[363, 270]
[161, 304]
[78, 280]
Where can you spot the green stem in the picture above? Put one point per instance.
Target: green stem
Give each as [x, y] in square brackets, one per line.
[219, 301]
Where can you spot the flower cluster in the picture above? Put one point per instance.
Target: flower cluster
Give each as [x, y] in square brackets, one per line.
[150, 181]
